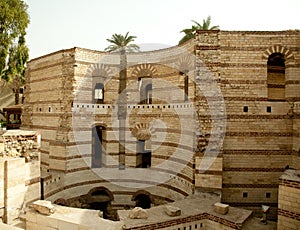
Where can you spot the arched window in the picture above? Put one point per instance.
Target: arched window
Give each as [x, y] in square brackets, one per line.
[149, 94]
[186, 88]
[186, 84]
[145, 89]
[276, 77]
[98, 95]
[97, 146]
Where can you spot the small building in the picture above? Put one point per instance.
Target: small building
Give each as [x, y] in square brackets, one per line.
[13, 116]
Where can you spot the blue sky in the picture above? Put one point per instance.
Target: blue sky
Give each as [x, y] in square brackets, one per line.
[63, 24]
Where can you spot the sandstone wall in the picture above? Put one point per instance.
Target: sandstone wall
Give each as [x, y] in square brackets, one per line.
[259, 138]
[288, 200]
[242, 140]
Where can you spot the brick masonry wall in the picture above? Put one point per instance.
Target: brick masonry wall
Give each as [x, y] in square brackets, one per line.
[288, 200]
[256, 128]
[66, 157]
[260, 134]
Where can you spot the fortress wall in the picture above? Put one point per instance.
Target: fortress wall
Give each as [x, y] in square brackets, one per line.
[259, 137]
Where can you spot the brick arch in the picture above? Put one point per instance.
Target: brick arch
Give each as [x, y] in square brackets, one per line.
[104, 125]
[101, 188]
[143, 70]
[142, 192]
[185, 64]
[141, 131]
[102, 70]
[288, 55]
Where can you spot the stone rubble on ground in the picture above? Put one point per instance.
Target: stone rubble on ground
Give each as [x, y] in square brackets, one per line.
[138, 213]
[43, 206]
[172, 211]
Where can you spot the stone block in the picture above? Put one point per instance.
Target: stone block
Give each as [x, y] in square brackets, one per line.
[46, 221]
[31, 216]
[138, 213]
[221, 208]
[67, 225]
[172, 211]
[43, 206]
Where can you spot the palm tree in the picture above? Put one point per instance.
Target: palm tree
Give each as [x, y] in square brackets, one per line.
[121, 44]
[191, 32]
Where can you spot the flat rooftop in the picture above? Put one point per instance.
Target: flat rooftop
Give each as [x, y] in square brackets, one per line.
[196, 205]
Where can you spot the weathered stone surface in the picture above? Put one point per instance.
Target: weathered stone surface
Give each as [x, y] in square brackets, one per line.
[43, 206]
[138, 213]
[221, 208]
[172, 211]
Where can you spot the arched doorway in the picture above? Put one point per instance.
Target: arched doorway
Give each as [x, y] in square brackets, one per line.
[100, 199]
[143, 201]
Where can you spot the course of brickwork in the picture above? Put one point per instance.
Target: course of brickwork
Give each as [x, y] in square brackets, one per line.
[240, 155]
[288, 200]
[262, 134]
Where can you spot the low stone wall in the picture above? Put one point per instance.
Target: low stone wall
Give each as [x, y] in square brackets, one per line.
[19, 173]
[20, 143]
[69, 218]
[195, 213]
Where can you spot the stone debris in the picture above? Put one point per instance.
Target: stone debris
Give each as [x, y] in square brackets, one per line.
[172, 211]
[43, 206]
[221, 208]
[138, 213]
[20, 143]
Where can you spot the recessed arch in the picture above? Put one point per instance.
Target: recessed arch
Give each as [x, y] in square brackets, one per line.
[102, 70]
[100, 74]
[143, 199]
[96, 190]
[144, 70]
[288, 55]
[100, 198]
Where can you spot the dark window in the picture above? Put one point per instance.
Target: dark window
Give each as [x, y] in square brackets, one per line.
[276, 77]
[245, 109]
[186, 84]
[143, 155]
[143, 201]
[268, 195]
[245, 194]
[269, 109]
[97, 146]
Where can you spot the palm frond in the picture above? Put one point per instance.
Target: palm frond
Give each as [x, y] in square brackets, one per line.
[120, 42]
